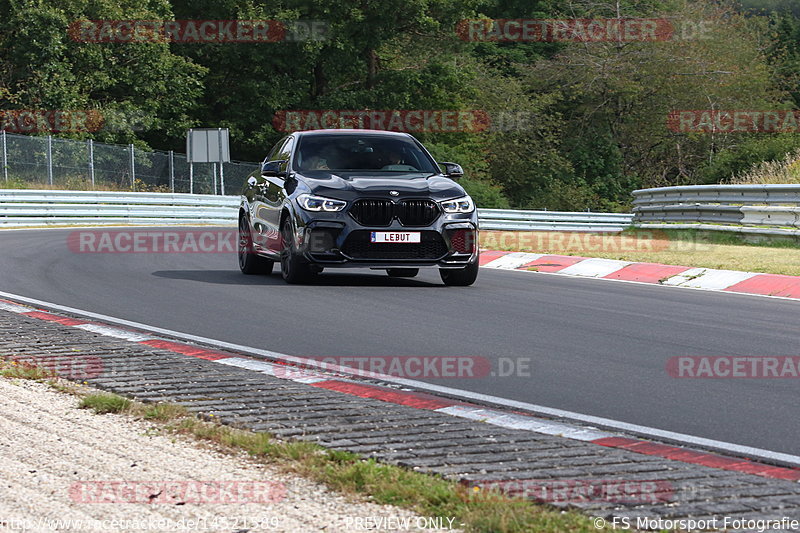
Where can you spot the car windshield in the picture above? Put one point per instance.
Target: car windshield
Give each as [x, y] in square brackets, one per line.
[370, 152]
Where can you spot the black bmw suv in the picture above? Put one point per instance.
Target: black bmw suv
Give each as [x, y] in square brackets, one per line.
[357, 198]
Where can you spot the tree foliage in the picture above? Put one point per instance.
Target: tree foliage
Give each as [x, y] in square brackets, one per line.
[575, 125]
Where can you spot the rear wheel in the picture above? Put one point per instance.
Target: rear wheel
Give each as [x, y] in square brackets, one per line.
[249, 261]
[402, 272]
[460, 277]
[294, 268]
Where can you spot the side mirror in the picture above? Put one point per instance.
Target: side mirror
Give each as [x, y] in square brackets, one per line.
[452, 170]
[273, 168]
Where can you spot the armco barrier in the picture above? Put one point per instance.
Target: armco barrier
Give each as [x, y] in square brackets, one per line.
[747, 209]
[28, 207]
[509, 219]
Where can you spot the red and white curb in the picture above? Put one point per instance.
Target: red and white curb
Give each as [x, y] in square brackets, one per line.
[677, 276]
[423, 400]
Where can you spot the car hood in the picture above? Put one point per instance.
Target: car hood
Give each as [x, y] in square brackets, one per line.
[346, 185]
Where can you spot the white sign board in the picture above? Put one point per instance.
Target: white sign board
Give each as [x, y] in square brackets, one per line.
[208, 145]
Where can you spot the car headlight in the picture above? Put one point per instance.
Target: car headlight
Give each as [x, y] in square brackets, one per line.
[320, 203]
[459, 205]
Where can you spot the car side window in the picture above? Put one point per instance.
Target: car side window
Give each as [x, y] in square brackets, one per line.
[285, 152]
[275, 150]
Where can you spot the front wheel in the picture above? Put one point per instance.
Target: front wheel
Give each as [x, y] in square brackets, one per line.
[294, 268]
[249, 261]
[460, 277]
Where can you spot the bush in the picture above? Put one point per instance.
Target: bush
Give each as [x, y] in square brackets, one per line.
[485, 194]
[739, 159]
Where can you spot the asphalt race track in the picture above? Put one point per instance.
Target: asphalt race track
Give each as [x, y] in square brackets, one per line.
[596, 347]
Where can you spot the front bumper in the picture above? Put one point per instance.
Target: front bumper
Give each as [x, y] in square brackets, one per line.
[337, 240]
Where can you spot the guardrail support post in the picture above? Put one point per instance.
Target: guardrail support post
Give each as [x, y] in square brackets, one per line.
[132, 167]
[221, 178]
[171, 171]
[214, 169]
[191, 178]
[5, 157]
[50, 159]
[90, 144]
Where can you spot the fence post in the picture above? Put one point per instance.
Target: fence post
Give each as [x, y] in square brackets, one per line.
[214, 169]
[132, 168]
[5, 157]
[90, 142]
[171, 171]
[191, 178]
[50, 159]
[221, 164]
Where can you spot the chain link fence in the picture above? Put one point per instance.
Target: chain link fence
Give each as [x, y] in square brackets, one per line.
[49, 162]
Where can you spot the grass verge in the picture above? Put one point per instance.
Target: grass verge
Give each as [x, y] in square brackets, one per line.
[474, 510]
[690, 248]
[23, 370]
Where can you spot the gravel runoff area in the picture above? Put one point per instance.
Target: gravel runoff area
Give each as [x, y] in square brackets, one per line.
[52, 456]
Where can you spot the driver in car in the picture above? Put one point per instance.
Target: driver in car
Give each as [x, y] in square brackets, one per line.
[317, 162]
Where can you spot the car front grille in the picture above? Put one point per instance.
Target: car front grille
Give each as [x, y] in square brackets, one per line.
[358, 246]
[382, 212]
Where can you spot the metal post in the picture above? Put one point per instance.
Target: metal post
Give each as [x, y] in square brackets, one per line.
[221, 163]
[132, 168]
[50, 159]
[90, 142]
[5, 157]
[214, 169]
[190, 159]
[171, 171]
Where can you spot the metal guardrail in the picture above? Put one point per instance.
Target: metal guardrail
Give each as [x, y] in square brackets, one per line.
[27, 207]
[514, 220]
[738, 208]
[719, 194]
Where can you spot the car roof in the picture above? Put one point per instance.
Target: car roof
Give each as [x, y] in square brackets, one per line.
[350, 132]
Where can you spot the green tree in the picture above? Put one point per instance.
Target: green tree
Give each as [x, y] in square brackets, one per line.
[44, 68]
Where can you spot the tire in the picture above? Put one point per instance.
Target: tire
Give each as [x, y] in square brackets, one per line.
[402, 272]
[294, 268]
[461, 277]
[249, 262]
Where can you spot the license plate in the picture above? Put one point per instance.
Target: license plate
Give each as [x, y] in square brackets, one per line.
[399, 237]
